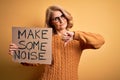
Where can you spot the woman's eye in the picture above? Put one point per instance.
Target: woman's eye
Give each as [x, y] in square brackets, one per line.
[57, 18]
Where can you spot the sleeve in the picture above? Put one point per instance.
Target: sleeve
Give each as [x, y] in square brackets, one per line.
[89, 40]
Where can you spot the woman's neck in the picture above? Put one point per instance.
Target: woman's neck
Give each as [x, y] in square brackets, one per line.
[60, 32]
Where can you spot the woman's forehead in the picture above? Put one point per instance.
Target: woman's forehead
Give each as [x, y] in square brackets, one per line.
[56, 13]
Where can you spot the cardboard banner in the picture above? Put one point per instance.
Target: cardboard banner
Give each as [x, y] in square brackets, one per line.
[34, 45]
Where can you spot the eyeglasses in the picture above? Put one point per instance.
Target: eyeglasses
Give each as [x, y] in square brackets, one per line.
[57, 19]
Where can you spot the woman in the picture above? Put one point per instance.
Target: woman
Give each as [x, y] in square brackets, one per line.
[67, 46]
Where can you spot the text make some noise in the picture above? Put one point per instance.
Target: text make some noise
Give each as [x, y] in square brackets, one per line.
[34, 45]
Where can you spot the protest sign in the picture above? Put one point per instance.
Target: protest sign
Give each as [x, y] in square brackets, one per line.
[34, 45]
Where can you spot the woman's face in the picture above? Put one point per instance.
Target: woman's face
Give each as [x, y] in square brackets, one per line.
[59, 20]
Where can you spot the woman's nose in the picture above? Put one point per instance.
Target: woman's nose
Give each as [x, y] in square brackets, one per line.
[61, 20]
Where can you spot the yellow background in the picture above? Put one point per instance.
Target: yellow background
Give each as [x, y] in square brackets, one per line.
[98, 16]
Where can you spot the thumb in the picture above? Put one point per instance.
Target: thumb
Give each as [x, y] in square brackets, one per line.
[69, 33]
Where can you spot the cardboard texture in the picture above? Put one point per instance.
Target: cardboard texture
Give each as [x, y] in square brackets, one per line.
[34, 45]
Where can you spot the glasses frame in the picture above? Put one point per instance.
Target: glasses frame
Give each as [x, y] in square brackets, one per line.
[59, 18]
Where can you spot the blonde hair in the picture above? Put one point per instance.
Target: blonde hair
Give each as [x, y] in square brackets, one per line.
[49, 12]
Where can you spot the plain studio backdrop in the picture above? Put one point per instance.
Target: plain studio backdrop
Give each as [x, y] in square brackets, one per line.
[97, 16]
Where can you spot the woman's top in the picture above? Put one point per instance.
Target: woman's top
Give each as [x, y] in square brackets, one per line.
[65, 59]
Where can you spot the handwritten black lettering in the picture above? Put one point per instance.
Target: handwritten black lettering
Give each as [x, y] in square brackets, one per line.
[44, 32]
[41, 56]
[36, 34]
[43, 45]
[21, 34]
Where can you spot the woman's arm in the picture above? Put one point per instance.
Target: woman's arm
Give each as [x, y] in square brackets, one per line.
[89, 40]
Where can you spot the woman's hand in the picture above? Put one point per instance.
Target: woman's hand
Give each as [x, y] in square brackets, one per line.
[12, 48]
[67, 36]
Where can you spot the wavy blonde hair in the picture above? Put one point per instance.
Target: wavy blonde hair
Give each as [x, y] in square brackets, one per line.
[49, 12]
